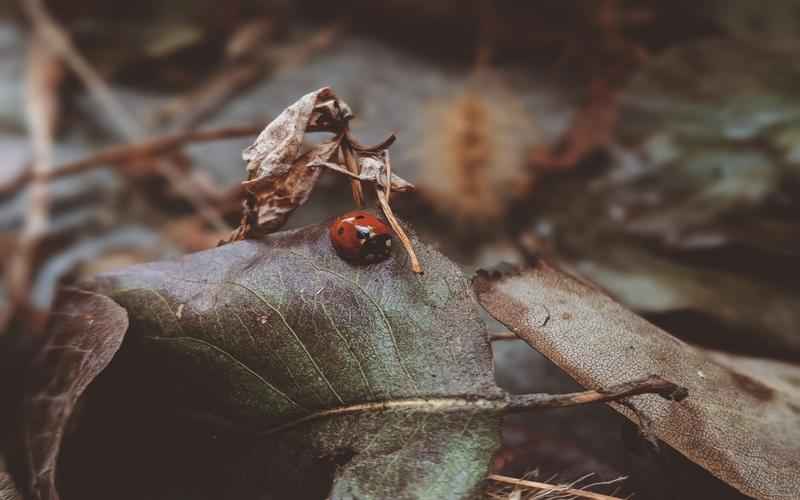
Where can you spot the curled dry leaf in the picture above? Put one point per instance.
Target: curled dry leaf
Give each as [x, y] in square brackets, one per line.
[739, 426]
[84, 334]
[277, 174]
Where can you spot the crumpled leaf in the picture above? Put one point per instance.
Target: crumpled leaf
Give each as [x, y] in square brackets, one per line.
[277, 173]
[277, 336]
[742, 430]
[85, 333]
[279, 197]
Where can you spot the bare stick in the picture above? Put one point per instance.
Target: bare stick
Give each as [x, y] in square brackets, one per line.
[60, 43]
[351, 161]
[500, 336]
[652, 384]
[44, 75]
[387, 211]
[388, 164]
[549, 488]
[512, 403]
[127, 153]
[244, 66]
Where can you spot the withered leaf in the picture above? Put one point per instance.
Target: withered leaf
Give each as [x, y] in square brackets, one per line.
[84, 334]
[323, 365]
[740, 428]
[278, 196]
[277, 174]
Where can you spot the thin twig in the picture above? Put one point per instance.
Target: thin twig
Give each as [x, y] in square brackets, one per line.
[44, 75]
[244, 66]
[123, 154]
[512, 403]
[500, 336]
[652, 384]
[388, 164]
[59, 42]
[200, 103]
[351, 162]
[404, 239]
[550, 488]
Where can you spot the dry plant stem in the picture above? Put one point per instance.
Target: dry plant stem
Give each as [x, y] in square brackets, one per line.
[44, 74]
[500, 336]
[193, 108]
[549, 488]
[59, 42]
[652, 384]
[509, 404]
[351, 161]
[123, 154]
[383, 199]
[190, 109]
[388, 176]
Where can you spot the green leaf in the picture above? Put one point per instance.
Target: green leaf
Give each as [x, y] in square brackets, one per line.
[377, 375]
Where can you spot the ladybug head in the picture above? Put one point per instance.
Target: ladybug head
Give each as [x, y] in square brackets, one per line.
[375, 247]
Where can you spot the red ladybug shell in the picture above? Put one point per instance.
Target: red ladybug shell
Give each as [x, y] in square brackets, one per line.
[361, 238]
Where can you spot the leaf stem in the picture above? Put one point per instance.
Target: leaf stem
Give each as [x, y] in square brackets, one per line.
[652, 384]
[515, 403]
[383, 199]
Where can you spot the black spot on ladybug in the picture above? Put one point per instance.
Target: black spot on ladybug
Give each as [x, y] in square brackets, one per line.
[359, 216]
[341, 230]
[362, 233]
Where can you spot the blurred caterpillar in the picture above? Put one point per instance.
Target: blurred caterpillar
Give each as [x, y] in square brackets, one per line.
[475, 149]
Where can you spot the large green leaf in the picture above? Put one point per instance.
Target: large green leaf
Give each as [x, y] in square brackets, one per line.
[374, 373]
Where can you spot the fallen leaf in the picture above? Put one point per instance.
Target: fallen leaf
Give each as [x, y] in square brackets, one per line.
[85, 332]
[742, 430]
[280, 335]
[277, 174]
[758, 314]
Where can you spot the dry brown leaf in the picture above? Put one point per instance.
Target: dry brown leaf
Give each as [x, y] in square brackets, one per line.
[85, 331]
[742, 428]
[277, 173]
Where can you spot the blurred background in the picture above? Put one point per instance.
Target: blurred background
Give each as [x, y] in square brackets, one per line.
[650, 147]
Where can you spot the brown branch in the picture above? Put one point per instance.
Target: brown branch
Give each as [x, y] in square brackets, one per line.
[245, 65]
[505, 404]
[351, 162]
[652, 384]
[123, 154]
[387, 211]
[500, 336]
[59, 42]
[44, 74]
[200, 103]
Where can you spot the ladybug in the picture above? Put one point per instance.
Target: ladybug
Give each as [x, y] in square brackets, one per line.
[361, 238]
